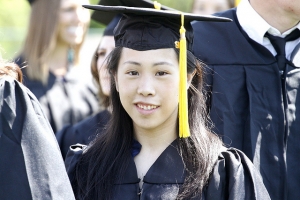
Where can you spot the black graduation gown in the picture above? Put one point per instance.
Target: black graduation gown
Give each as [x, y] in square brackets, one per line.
[65, 101]
[252, 107]
[233, 178]
[83, 132]
[31, 166]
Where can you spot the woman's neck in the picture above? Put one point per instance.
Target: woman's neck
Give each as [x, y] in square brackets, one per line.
[158, 139]
[58, 60]
[153, 142]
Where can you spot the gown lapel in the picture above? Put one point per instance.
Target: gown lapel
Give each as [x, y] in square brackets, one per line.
[162, 180]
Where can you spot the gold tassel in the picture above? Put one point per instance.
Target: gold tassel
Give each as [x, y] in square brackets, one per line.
[184, 129]
[157, 5]
[236, 2]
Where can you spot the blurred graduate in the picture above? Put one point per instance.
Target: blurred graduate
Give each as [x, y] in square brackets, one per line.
[55, 73]
[86, 130]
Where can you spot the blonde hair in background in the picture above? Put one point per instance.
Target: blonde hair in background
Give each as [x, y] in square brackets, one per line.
[41, 38]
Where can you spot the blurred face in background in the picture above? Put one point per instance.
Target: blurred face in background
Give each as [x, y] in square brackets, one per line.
[106, 46]
[73, 21]
[207, 7]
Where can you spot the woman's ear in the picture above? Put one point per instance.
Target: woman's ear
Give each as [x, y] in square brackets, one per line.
[190, 78]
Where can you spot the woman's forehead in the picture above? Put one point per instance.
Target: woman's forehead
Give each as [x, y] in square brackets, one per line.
[167, 55]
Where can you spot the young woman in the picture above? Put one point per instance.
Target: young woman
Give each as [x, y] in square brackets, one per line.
[85, 131]
[140, 155]
[54, 72]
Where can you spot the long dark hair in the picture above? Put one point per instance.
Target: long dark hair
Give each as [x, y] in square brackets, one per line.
[106, 157]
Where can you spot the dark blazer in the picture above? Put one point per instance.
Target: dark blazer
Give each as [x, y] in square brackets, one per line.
[253, 107]
[66, 100]
[31, 166]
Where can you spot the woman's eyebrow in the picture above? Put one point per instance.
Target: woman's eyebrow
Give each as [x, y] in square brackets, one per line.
[155, 64]
[163, 63]
[132, 63]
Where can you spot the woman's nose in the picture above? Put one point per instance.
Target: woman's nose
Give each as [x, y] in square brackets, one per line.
[146, 86]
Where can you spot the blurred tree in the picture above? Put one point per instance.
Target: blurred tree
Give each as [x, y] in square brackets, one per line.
[182, 5]
[14, 16]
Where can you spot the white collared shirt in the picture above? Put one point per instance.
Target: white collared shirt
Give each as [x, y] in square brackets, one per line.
[256, 27]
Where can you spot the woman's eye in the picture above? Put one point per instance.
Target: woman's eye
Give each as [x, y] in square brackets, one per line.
[133, 73]
[161, 73]
[101, 53]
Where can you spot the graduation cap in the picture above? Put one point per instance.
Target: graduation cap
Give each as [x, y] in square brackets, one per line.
[31, 1]
[145, 29]
[105, 17]
[109, 30]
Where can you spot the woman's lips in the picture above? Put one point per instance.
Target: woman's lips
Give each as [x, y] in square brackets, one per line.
[146, 109]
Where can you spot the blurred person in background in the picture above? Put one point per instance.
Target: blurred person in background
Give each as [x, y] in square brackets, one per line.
[54, 72]
[207, 7]
[28, 148]
[86, 130]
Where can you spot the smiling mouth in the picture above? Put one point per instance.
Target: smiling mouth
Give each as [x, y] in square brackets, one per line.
[147, 107]
[74, 29]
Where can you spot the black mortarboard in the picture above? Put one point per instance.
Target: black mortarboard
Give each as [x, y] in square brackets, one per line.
[149, 28]
[31, 1]
[145, 29]
[105, 17]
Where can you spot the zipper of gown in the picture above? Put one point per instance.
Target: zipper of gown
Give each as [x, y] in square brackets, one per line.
[140, 192]
[285, 136]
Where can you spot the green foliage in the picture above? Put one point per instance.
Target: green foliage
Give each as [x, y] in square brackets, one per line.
[182, 5]
[14, 16]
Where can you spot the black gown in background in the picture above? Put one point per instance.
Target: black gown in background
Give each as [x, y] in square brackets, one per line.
[250, 107]
[66, 100]
[31, 166]
[83, 132]
[233, 177]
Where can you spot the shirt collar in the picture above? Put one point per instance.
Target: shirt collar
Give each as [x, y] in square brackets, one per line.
[246, 15]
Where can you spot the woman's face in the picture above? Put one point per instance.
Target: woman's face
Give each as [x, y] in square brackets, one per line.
[207, 7]
[73, 21]
[106, 46]
[148, 84]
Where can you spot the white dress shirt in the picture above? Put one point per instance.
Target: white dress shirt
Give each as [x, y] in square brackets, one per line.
[256, 27]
